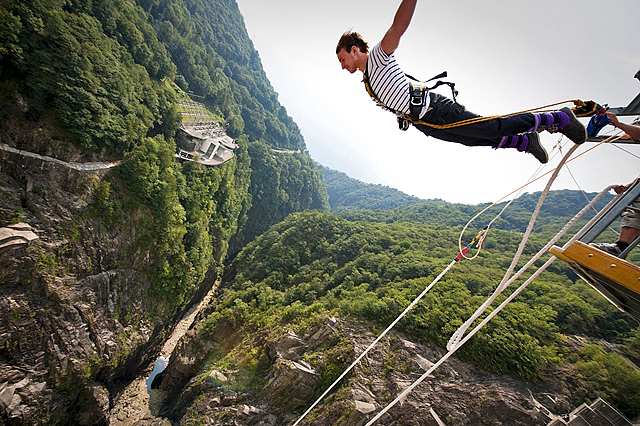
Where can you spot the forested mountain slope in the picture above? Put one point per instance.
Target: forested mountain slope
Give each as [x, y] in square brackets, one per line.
[315, 266]
[121, 251]
[346, 193]
[356, 200]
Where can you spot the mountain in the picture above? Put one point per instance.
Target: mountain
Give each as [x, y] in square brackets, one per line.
[107, 241]
[128, 237]
[346, 193]
[311, 294]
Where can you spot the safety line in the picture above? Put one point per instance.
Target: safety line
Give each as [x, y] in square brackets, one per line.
[457, 336]
[460, 256]
[411, 305]
[457, 340]
[608, 140]
[503, 304]
[576, 102]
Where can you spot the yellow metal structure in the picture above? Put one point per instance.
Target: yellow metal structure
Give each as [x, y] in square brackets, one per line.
[615, 278]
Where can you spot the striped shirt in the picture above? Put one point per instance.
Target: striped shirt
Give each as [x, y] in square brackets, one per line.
[389, 82]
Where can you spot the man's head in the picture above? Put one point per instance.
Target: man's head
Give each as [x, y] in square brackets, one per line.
[349, 39]
[352, 51]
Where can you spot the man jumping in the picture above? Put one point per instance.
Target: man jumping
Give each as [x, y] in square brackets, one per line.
[390, 87]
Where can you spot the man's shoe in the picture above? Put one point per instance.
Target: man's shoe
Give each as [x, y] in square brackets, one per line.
[610, 248]
[535, 148]
[575, 130]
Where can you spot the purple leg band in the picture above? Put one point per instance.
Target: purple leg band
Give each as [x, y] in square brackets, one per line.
[525, 143]
[513, 141]
[563, 119]
[536, 124]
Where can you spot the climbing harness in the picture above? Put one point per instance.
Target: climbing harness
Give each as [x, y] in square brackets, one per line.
[581, 108]
[419, 91]
[418, 96]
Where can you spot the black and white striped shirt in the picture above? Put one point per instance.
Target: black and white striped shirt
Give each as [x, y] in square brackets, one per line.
[389, 82]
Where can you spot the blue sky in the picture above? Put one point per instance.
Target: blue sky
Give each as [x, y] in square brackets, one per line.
[504, 56]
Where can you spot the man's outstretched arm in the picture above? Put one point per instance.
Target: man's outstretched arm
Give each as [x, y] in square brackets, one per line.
[401, 22]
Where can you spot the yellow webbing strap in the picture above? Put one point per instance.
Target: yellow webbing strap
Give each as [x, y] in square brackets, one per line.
[577, 102]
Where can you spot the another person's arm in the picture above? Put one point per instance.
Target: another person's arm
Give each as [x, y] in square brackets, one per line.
[630, 129]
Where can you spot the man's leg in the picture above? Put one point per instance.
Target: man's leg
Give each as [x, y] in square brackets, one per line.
[505, 132]
[629, 232]
[491, 132]
[630, 226]
[485, 133]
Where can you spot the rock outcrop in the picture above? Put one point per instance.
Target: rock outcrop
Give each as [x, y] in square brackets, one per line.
[297, 367]
[74, 323]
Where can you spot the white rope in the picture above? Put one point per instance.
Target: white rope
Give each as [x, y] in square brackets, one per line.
[460, 255]
[416, 300]
[503, 304]
[457, 336]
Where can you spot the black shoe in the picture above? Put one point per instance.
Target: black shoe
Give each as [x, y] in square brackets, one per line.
[575, 130]
[535, 148]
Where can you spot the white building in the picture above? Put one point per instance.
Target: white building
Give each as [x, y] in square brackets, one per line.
[206, 141]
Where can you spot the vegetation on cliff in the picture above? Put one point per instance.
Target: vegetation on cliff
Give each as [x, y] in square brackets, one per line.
[315, 262]
[96, 79]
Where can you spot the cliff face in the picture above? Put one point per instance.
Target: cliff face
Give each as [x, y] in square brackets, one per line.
[74, 317]
[294, 368]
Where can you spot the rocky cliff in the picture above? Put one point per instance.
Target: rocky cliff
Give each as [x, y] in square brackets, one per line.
[75, 323]
[230, 377]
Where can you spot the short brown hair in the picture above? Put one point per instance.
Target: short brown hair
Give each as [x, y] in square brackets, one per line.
[350, 39]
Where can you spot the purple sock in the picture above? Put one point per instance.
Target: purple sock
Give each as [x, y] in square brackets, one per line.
[517, 141]
[525, 143]
[563, 119]
[536, 124]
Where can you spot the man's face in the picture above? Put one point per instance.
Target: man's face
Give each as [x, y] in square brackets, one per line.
[349, 60]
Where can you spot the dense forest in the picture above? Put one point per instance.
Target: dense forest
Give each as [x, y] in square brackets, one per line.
[96, 80]
[317, 264]
[346, 193]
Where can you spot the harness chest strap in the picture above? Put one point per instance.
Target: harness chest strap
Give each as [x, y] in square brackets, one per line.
[418, 93]
[417, 97]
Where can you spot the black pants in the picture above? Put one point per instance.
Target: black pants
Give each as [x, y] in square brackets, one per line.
[486, 133]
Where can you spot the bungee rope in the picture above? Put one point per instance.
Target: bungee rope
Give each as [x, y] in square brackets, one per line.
[609, 140]
[454, 348]
[576, 102]
[582, 109]
[457, 336]
[459, 339]
[408, 308]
